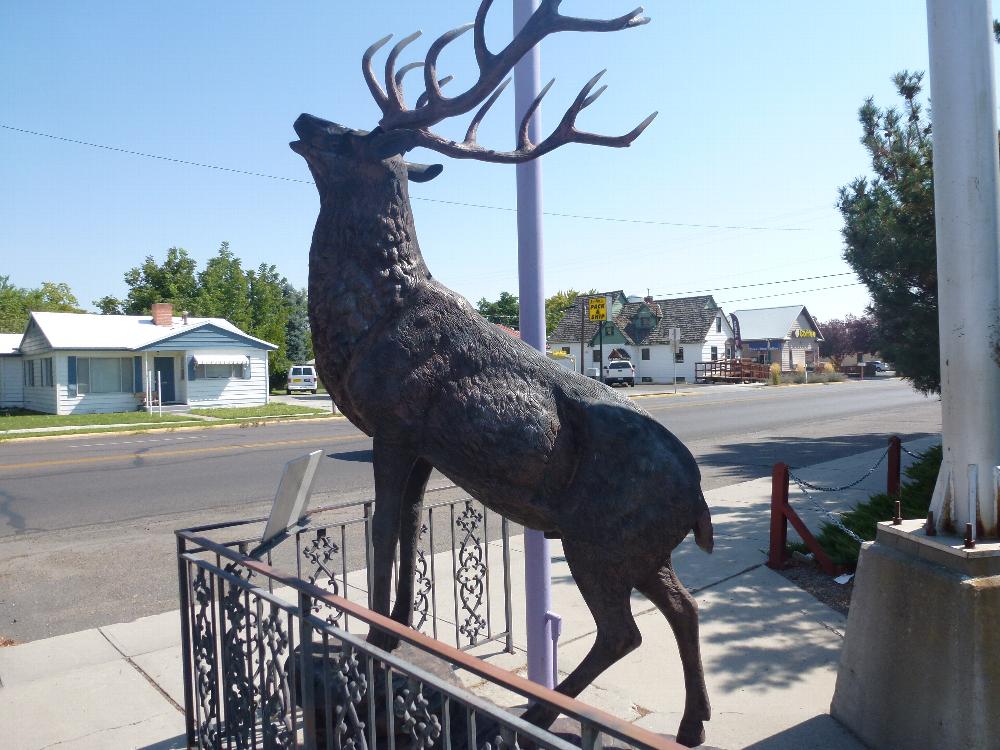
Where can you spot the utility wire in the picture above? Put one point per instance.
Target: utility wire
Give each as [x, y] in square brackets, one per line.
[784, 294]
[654, 222]
[761, 283]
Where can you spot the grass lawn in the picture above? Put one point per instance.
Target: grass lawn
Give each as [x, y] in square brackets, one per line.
[23, 419]
[274, 409]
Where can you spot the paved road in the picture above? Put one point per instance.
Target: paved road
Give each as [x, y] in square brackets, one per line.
[86, 522]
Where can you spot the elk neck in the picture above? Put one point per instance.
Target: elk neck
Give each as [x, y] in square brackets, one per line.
[365, 261]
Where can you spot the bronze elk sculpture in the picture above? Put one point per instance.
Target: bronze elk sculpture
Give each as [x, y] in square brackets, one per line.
[414, 366]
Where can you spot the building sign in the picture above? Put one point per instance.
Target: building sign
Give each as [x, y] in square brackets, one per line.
[804, 333]
[598, 308]
[761, 346]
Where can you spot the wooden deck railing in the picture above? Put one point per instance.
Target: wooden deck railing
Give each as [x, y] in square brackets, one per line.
[730, 370]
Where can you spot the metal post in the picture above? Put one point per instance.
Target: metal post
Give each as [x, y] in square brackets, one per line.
[892, 472]
[779, 524]
[159, 394]
[537, 558]
[187, 670]
[966, 205]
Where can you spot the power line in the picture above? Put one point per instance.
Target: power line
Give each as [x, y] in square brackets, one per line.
[615, 219]
[761, 283]
[783, 294]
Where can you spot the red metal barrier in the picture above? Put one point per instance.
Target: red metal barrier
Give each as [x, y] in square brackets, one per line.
[781, 515]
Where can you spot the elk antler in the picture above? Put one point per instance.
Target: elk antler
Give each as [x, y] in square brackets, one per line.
[432, 106]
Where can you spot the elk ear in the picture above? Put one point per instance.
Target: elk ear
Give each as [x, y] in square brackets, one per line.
[422, 172]
[393, 143]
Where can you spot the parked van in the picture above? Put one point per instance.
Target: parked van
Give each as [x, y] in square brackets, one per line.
[302, 378]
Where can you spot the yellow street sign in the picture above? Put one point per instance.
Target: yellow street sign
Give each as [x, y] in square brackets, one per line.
[598, 308]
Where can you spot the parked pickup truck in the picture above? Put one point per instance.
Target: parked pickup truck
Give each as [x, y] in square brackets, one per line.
[620, 371]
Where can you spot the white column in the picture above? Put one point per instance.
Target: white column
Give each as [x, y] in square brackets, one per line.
[966, 204]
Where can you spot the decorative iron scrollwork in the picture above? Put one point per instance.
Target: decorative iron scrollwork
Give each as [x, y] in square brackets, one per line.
[422, 583]
[349, 687]
[277, 697]
[413, 711]
[320, 552]
[240, 691]
[471, 574]
[203, 645]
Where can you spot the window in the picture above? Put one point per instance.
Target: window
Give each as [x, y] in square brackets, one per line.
[29, 373]
[46, 372]
[718, 326]
[645, 353]
[596, 355]
[715, 353]
[296, 371]
[565, 350]
[679, 356]
[224, 371]
[104, 375]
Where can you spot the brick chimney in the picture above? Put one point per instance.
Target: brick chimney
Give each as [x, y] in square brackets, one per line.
[647, 300]
[163, 313]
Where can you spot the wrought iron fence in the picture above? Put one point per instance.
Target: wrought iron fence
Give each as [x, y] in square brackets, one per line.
[266, 666]
[460, 592]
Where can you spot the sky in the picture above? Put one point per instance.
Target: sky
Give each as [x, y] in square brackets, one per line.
[731, 191]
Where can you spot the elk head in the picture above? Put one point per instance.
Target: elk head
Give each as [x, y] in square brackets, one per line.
[329, 148]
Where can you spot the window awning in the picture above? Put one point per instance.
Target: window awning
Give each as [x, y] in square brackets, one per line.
[221, 359]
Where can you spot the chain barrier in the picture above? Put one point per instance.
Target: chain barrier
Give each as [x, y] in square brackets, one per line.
[803, 483]
[911, 454]
[834, 517]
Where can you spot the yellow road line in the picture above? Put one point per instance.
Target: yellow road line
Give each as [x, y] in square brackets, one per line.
[173, 453]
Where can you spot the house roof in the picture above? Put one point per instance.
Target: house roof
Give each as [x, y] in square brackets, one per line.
[9, 342]
[770, 322]
[89, 331]
[693, 315]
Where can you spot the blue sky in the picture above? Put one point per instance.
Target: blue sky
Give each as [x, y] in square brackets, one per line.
[757, 128]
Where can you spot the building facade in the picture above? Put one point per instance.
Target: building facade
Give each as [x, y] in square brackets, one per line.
[787, 335]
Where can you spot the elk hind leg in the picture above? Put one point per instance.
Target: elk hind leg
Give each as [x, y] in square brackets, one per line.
[666, 591]
[608, 598]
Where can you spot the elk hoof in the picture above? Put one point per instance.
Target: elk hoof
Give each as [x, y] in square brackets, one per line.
[382, 640]
[691, 732]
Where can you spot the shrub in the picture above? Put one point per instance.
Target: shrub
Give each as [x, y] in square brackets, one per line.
[915, 500]
[775, 375]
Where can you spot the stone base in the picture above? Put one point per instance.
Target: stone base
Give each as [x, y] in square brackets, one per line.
[921, 662]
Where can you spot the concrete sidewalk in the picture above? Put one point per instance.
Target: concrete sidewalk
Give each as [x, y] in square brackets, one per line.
[770, 650]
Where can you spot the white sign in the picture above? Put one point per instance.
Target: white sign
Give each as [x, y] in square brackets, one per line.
[292, 499]
[675, 337]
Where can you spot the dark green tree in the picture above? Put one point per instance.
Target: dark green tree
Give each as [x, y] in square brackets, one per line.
[108, 305]
[17, 302]
[889, 234]
[298, 340]
[224, 290]
[505, 311]
[269, 313]
[172, 281]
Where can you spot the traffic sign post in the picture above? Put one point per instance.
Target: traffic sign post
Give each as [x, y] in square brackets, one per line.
[598, 307]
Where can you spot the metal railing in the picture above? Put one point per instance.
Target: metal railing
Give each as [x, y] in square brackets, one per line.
[471, 603]
[731, 370]
[264, 669]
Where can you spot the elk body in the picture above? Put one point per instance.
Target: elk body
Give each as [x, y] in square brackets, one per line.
[436, 386]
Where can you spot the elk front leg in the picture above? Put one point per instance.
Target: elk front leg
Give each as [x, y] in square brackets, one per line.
[393, 467]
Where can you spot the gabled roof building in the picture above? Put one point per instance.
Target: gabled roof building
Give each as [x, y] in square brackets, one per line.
[69, 363]
[787, 335]
[640, 328]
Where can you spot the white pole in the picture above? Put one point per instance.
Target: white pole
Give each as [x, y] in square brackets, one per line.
[966, 205]
[149, 392]
[159, 394]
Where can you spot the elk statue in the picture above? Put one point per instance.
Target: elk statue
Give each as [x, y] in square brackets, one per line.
[414, 366]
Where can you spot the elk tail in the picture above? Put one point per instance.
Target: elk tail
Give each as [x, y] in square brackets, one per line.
[704, 536]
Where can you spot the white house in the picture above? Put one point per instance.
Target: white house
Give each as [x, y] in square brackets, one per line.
[72, 363]
[787, 335]
[11, 387]
[639, 329]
